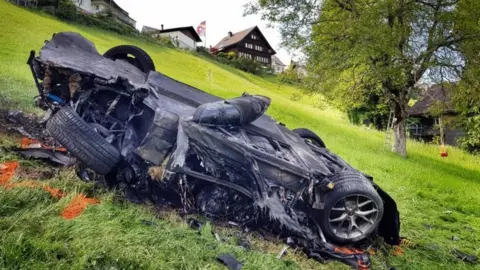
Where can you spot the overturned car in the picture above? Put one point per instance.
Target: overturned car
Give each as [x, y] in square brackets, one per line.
[177, 145]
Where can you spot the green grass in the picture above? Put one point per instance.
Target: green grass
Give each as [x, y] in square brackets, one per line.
[438, 198]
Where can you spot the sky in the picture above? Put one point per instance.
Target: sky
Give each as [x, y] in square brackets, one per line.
[222, 16]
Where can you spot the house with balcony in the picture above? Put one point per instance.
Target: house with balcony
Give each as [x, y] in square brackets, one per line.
[97, 6]
[433, 116]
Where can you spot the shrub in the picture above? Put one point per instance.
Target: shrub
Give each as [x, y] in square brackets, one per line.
[471, 140]
[231, 55]
[66, 10]
[289, 76]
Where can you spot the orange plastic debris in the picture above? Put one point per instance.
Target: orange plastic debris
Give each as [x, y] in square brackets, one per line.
[28, 143]
[443, 151]
[73, 209]
[349, 251]
[7, 171]
[77, 206]
[397, 251]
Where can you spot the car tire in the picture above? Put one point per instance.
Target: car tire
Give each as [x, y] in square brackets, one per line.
[82, 141]
[353, 198]
[132, 54]
[307, 134]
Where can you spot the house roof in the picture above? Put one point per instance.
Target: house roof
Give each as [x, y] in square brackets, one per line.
[148, 29]
[239, 36]
[276, 61]
[186, 28]
[433, 94]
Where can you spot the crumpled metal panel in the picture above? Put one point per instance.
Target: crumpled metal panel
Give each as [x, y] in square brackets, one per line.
[71, 50]
[161, 137]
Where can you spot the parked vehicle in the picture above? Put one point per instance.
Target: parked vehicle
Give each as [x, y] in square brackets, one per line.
[224, 158]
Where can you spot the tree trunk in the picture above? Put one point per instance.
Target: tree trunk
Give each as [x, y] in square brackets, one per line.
[400, 137]
[399, 130]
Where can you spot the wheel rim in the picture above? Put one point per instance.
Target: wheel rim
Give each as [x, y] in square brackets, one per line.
[353, 217]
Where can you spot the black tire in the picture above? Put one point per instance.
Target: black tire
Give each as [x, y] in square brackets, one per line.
[132, 54]
[307, 134]
[350, 186]
[82, 141]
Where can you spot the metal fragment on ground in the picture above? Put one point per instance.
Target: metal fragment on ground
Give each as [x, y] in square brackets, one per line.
[230, 262]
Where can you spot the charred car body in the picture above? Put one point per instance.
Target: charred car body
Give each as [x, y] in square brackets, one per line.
[176, 144]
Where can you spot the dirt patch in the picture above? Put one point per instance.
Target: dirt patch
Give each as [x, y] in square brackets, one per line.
[35, 173]
[14, 122]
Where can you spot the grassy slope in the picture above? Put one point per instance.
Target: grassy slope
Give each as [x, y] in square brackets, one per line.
[425, 186]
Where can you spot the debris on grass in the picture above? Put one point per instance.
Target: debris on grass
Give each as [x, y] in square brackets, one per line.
[28, 125]
[195, 224]
[283, 251]
[230, 262]
[76, 207]
[148, 223]
[32, 148]
[404, 242]
[7, 171]
[398, 251]
[463, 256]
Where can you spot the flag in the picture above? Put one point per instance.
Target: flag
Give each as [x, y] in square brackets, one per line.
[202, 28]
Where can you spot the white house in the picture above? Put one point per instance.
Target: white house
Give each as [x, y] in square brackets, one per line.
[96, 6]
[277, 65]
[182, 37]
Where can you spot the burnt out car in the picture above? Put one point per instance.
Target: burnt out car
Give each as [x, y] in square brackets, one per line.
[175, 144]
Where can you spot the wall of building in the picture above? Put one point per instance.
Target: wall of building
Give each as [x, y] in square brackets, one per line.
[84, 4]
[99, 6]
[278, 68]
[179, 39]
[256, 46]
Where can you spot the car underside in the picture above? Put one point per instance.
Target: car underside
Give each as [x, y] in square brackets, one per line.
[172, 144]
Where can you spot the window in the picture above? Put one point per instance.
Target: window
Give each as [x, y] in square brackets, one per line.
[248, 46]
[258, 48]
[253, 36]
[261, 59]
[246, 55]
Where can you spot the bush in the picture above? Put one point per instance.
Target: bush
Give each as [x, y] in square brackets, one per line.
[471, 140]
[67, 10]
[289, 76]
[231, 55]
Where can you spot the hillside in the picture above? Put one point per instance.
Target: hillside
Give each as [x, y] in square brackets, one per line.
[437, 197]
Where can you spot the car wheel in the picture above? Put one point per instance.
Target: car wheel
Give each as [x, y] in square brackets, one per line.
[82, 141]
[307, 134]
[352, 210]
[133, 55]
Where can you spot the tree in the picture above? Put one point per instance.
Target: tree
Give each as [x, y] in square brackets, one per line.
[357, 48]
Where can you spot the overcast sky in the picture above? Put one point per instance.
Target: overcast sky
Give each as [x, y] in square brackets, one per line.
[221, 16]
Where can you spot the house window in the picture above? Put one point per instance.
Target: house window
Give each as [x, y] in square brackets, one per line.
[97, 7]
[246, 55]
[261, 59]
[253, 36]
[258, 48]
[248, 46]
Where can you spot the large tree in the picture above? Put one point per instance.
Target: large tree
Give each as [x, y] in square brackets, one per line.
[356, 48]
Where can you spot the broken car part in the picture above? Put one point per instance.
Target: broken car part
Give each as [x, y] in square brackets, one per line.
[223, 158]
